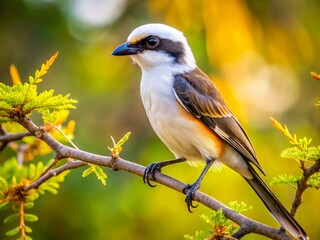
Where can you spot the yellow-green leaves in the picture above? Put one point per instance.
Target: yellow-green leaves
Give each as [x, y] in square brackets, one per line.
[115, 151]
[22, 99]
[43, 70]
[222, 227]
[98, 171]
[301, 152]
[287, 179]
[12, 194]
[117, 147]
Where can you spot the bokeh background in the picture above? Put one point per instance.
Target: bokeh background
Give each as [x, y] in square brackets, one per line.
[259, 53]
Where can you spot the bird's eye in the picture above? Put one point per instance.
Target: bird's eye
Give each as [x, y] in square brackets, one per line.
[152, 42]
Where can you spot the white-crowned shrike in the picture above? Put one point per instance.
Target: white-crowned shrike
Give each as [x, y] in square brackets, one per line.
[189, 115]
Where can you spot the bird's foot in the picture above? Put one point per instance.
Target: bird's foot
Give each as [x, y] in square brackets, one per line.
[150, 171]
[189, 190]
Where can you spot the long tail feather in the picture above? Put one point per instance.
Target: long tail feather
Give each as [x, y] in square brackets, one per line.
[275, 207]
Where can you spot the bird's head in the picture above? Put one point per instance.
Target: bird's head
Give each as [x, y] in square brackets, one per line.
[153, 45]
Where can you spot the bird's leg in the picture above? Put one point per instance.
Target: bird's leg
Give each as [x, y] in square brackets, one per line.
[157, 166]
[189, 189]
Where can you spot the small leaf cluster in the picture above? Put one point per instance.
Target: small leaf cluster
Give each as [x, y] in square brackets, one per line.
[115, 151]
[221, 226]
[21, 99]
[302, 152]
[286, 179]
[117, 147]
[13, 178]
[313, 181]
[23, 217]
[98, 171]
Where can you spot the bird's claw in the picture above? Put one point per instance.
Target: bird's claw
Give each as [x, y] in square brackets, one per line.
[150, 171]
[189, 190]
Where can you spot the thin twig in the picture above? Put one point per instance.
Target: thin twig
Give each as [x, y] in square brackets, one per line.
[53, 173]
[14, 137]
[51, 165]
[5, 137]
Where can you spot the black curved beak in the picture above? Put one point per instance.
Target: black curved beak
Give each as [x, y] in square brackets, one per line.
[126, 49]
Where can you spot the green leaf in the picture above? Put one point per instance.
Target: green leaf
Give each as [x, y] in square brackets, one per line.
[220, 222]
[32, 196]
[13, 180]
[30, 218]
[50, 189]
[98, 171]
[305, 154]
[13, 232]
[290, 180]
[3, 184]
[117, 147]
[39, 169]
[28, 229]
[101, 175]
[23, 99]
[28, 238]
[239, 207]
[88, 171]
[314, 180]
[123, 140]
[28, 205]
[32, 171]
[11, 218]
[52, 185]
[4, 205]
[199, 235]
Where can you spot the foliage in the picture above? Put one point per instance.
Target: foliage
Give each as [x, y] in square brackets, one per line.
[115, 151]
[117, 147]
[98, 171]
[221, 226]
[17, 102]
[302, 153]
[13, 178]
[20, 100]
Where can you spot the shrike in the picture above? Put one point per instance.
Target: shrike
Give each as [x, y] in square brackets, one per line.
[188, 114]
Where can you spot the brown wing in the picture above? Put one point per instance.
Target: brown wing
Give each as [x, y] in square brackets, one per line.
[199, 96]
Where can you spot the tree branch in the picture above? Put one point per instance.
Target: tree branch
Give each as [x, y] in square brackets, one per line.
[246, 224]
[53, 173]
[5, 137]
[303, 185]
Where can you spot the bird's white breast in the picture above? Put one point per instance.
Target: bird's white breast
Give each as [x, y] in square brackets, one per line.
[178, 133]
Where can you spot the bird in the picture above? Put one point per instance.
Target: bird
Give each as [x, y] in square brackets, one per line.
[189, 115]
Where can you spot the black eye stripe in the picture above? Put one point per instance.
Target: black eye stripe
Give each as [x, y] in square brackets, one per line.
[175, 49]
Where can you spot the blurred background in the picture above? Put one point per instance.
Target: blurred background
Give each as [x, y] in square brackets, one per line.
[259, 54]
